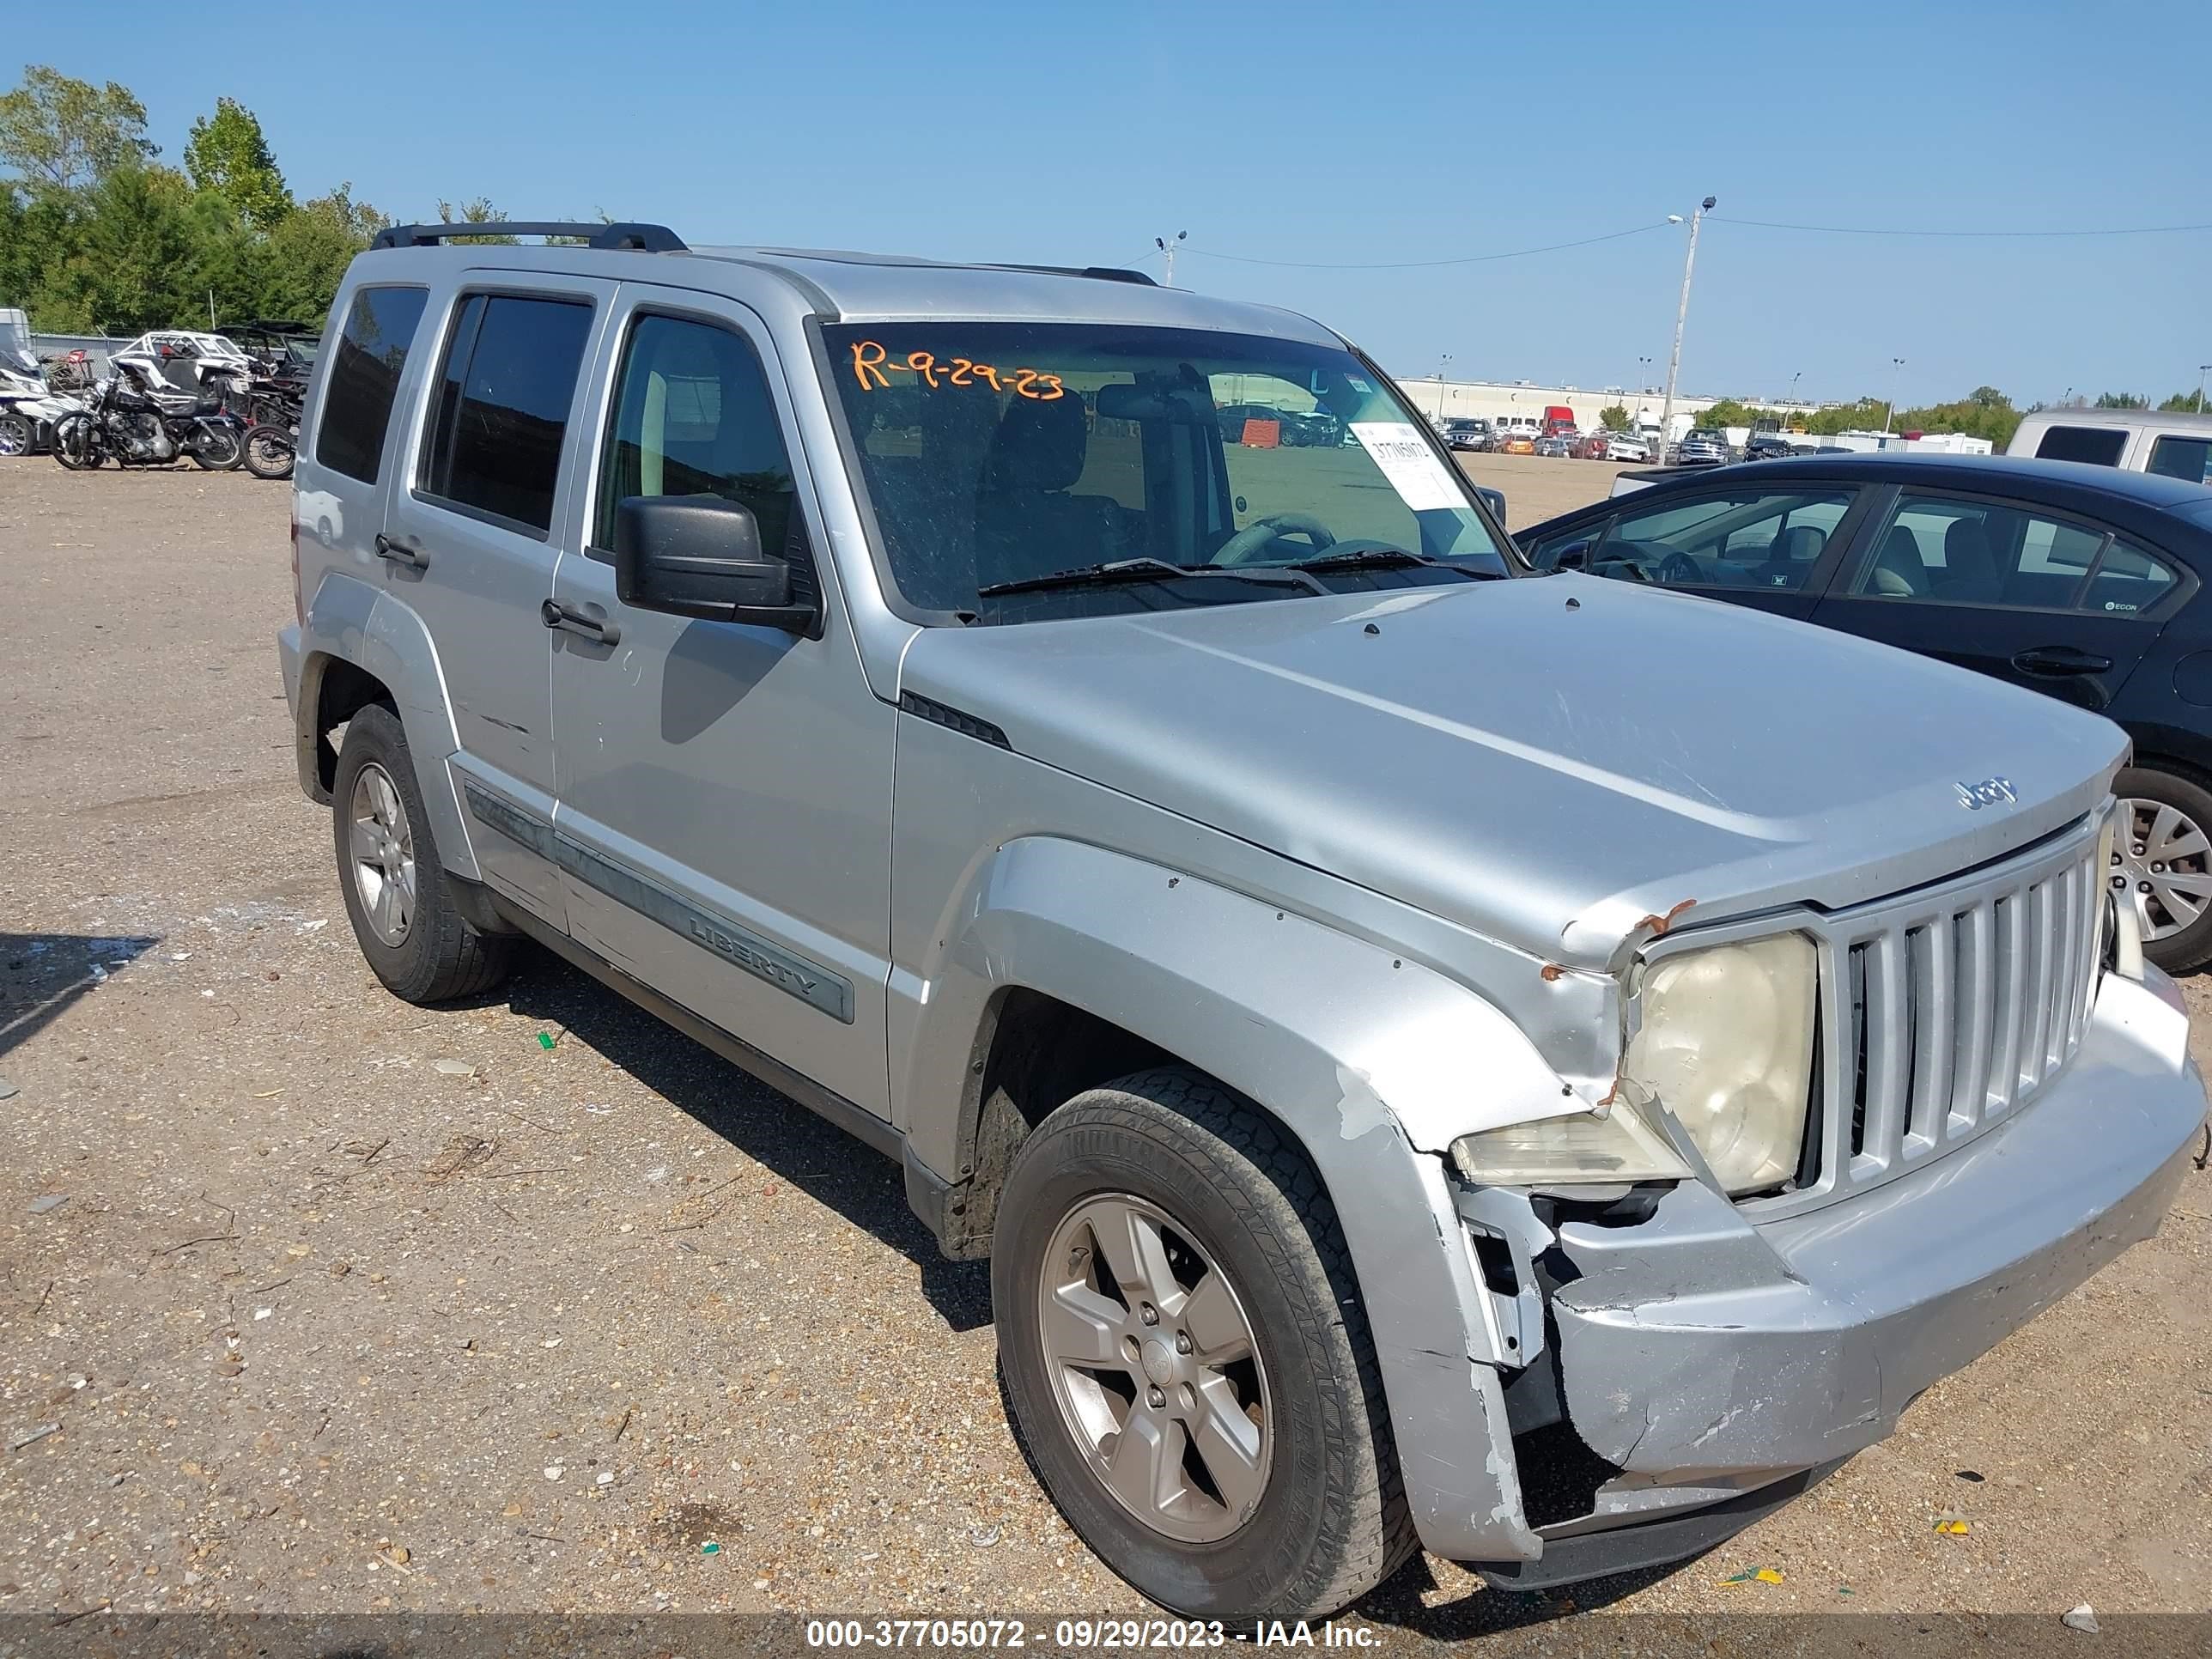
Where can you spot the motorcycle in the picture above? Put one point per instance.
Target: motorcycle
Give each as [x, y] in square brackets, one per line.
[29, 409]
[140, 421]
[271, 449]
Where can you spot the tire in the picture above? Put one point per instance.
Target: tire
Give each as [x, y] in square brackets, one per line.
[432, 954]
[2170, 810]
[1329, 1522]
[77, 442]
[218, 448]
[269, 452]
[16, 434]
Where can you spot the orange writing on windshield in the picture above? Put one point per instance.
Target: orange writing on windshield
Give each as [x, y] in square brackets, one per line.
[873, 366]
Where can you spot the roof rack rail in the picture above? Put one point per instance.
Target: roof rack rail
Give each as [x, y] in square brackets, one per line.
[644, 238]
[1098, 273]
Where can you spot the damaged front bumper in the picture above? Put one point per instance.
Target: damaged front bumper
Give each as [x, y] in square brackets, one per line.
[1711, 1365]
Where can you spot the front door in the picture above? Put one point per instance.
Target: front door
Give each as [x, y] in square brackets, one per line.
[2008, 589]
[724, 825]
[470, 540]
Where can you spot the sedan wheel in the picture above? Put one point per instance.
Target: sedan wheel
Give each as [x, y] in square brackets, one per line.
[383, 861]
[2162, 860]
[1154, 1368]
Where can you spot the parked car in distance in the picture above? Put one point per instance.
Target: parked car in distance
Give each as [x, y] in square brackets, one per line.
[1403, 1036]
[2085, 583]
[1294, 428]
[1516, 440]
[1615, 447]
[1469, 432]
[2137, 440]
[1767, 446]
[1703, 447]
[1559, 443]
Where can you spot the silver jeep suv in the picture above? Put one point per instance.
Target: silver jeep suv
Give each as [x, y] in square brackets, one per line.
[1533, 1068]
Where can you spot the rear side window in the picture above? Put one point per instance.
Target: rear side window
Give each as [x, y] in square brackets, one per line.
[2182, 458]
[365, 370]
[503, 396]
[2093, 446]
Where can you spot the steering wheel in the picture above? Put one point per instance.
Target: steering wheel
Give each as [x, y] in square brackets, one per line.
[1678, 569]
[1243, 547]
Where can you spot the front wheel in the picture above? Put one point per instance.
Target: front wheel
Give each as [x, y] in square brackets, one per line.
[269, 452]
[1187, 1356]
[16, 434]
[2162, 863]
[77, 443]
[217, 447]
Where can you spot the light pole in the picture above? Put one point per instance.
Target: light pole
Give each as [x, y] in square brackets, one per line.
[1443, 363]
[1168, 248]
[1889, 409]
[1681, 316]
[2201, 368]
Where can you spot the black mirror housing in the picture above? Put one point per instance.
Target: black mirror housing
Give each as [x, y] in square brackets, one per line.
[700, 555]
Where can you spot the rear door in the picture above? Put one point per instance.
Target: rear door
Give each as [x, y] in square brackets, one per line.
[469, 541]
[2019, 590]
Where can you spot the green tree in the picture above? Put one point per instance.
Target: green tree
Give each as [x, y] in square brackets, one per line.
[2120, 400]
[131, 257]
[2184, 402]
[306, 255]
[60, 133]
[478, 212]
[1613, 417]
[228, 154]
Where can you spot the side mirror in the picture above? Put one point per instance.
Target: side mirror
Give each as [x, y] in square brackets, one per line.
[700, 555]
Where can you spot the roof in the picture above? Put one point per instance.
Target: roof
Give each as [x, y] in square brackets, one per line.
[859, 286]
[2120, 417]
[2145, 489]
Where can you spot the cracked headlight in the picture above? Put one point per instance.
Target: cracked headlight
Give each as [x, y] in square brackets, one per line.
[1575, 1149]
[1725, 1043]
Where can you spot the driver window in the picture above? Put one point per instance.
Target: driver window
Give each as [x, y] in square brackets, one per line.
[1768, 540]
[1261, 417]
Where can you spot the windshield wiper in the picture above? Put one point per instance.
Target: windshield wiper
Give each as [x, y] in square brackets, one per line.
[1147, 570]
[1387, 558]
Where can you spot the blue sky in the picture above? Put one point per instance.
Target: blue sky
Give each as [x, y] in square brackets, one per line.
[1327, 134]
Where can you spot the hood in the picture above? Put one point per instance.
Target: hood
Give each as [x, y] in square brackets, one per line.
[1550, 761]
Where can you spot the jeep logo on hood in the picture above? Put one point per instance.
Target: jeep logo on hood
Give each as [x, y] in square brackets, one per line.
[1988, 792]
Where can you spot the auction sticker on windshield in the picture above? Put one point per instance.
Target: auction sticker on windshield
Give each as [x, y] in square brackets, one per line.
[1411, 466]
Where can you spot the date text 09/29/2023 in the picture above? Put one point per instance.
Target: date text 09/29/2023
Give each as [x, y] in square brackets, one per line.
[1086, 1634]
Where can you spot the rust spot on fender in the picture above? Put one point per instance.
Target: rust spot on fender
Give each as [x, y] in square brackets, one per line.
[1659, 925]
[1550, 971]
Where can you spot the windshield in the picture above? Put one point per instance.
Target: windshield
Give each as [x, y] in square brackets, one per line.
[996, 453]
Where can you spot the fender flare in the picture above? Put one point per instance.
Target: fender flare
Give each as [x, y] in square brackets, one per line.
[352, 622]
[1373, 1061]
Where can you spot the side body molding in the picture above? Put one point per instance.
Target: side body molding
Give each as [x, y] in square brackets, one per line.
[1345, 1044]
[351, 620]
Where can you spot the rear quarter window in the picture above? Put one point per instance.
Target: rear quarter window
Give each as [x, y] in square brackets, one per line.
[364, 378]
[2093, 446]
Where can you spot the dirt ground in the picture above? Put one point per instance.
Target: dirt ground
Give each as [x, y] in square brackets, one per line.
[310, 1301]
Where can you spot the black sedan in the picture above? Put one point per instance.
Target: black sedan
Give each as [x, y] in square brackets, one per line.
[2082, 582]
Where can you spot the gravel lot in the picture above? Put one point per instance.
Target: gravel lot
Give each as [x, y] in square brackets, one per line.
[341, 1305]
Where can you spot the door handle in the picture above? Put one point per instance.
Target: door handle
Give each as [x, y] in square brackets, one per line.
[413, 557]
[573, 620]
[2060, 660]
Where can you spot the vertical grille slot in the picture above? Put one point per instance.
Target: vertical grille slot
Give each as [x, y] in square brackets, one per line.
[1854, 1047]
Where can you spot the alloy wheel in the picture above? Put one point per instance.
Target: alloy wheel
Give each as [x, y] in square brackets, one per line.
[2162, 862]
[14, 435]
[1154, 1368]
[383, 848]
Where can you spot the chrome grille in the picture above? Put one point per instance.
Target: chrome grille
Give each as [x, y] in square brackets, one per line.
[1944, 1011]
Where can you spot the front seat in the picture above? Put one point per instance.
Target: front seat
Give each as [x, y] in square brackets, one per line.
[1791, 557]
[1970, 568]
[1026, 523]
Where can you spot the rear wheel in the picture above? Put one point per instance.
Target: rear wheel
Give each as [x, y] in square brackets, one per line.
[1187, 1356]
[414, 940]
[217, 447]
[2162, 863]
